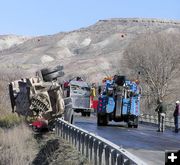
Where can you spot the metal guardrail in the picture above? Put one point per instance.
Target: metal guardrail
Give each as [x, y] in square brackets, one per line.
[98, 150]
[169, 122]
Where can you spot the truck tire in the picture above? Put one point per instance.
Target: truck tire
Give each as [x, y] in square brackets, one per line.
[102, 120]
[99, 120]
[136, 122]
[12, 99]
[129, 125]
[106, 119]
[47, 71]
[88, 114]
[53, 76]
[83, 113]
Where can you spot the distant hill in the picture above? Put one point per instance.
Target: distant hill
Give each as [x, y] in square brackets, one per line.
[93, 51]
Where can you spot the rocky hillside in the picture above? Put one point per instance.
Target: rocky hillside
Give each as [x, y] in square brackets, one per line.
[93, 51]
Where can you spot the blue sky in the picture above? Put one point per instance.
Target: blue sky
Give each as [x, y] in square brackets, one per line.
[43, 17]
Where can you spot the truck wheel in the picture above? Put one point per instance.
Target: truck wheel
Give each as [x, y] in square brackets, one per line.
[99, 120]
[47, 71]
[83, 113]
[102, 120]
[129, 125]
[53, 76]
[105, 120]
[88, 114]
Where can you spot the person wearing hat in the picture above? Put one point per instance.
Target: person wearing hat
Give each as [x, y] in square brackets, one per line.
[176, 115]
[161, 109]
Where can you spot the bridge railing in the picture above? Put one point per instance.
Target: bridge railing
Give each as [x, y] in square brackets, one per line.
[98, 150]
[153, 119]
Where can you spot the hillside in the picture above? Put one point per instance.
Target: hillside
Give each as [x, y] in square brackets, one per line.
[93, 51]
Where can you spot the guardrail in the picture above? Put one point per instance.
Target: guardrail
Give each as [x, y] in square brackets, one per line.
[169, 122]
[98, 150]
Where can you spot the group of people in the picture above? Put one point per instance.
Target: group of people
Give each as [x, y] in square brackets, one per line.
[161, 110]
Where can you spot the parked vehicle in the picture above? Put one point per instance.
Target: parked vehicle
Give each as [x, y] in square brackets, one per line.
[79, 92]
[119, 101]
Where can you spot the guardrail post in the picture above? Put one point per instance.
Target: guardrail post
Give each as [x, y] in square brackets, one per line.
[79, 140]
[75, 137]
[82, 141]
[70, 134]
[72, 140]
[119, 159]
[87, 145]
[67, 133]
[63, 131]
[57, 128]
[101, 147]
[90, 147]
[107, 155]
[113, 157]
[96, 145]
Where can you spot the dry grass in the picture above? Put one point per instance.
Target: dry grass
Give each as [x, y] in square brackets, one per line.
[10, 120]
[17, 146]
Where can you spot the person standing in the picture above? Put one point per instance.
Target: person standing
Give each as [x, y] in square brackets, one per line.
[161, 110]
[176, 115]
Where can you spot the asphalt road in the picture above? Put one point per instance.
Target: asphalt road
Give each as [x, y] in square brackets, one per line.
[144, 141]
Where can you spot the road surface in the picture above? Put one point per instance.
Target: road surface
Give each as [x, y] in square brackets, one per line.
[144, 142]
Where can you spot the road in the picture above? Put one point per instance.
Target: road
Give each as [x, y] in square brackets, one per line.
[144, 142]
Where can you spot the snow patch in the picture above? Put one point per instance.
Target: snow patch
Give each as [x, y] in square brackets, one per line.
[86, 42]
[46, 58]
[64, 52]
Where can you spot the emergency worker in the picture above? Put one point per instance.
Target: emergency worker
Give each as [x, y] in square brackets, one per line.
[161, 110]
[176, 115]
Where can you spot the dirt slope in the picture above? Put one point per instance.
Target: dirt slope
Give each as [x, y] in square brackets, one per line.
[93, 51]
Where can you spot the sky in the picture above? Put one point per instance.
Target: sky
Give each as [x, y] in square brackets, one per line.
[47, 17]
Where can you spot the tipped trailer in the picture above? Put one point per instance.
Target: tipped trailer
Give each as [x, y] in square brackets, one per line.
[119, 101]
[40, 98]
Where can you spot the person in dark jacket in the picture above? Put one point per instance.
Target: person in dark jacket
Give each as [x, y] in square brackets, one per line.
[161, 110]
[176, 115]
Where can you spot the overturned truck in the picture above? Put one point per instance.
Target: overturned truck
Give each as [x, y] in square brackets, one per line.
[41, 98]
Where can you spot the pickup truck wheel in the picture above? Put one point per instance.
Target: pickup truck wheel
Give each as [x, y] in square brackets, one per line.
[88, 114]
[53, 76]
[83, 113]
[47, 71]
[129, 125]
